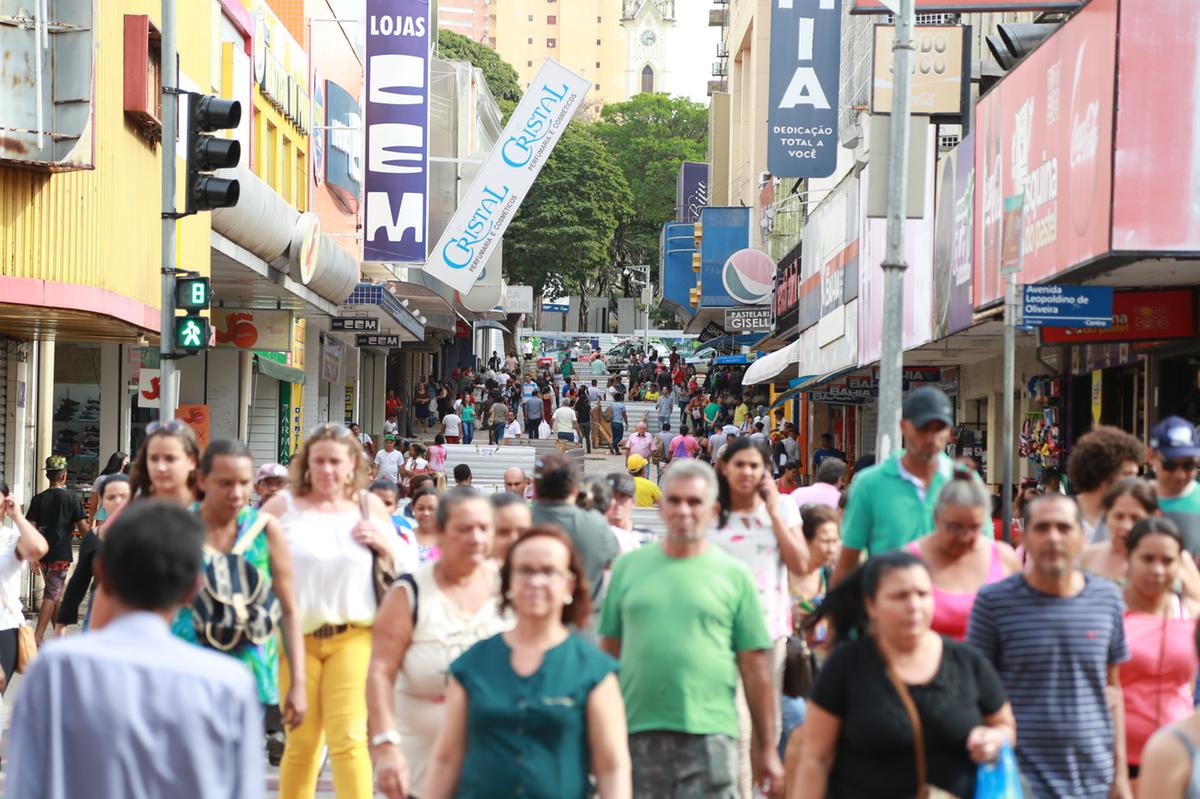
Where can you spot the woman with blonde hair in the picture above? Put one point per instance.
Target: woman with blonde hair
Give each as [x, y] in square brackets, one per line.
[336, 532]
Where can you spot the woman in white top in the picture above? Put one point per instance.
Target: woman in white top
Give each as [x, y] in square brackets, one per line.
[335, 531]
[445, 607]
[762, 529]
[17, 547]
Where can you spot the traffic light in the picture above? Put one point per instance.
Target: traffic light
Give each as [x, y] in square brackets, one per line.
[694, 297]
[1014, 41]
[697, 238]
[207, 113]
[192, 295]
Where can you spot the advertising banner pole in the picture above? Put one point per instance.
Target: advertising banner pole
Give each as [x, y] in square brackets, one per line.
[892, 346]
[166, 342]
[1006, 428]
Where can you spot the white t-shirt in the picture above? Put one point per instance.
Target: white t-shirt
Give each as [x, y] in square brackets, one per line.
[11, 569]
[389, 464]
[503, 378]
[512, 429]
[391, 428]
[453, 424]
[751, 539]
[416, 464]
[563, 420]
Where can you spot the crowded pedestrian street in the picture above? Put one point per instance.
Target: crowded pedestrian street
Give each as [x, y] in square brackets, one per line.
[720, 399]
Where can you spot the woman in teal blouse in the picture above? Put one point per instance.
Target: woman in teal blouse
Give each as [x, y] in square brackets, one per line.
[533, 711]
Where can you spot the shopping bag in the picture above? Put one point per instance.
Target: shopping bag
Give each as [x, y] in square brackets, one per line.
[999, 779]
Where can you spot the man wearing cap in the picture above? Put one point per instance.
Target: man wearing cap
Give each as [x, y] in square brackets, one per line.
[55, 512]
[271, 479]
[892, 503]
[1174, 453]
[388, 461]
[646, 493]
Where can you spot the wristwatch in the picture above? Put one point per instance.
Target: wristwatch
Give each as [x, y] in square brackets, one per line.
[389, 737]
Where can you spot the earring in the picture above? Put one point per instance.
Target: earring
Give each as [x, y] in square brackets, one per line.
[569, 600]
[508, 594]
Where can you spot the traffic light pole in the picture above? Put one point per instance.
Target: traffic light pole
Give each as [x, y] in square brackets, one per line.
[891, 356]
[166, 345]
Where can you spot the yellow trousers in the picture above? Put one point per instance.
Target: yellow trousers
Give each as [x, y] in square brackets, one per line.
[336, 673]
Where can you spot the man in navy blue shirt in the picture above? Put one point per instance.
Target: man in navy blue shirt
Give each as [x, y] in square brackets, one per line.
[1056, 637]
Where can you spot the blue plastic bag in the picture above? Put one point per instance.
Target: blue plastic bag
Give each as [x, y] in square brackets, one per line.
[999, 779]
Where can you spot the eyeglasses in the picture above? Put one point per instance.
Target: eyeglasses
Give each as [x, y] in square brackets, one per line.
[1174, 466]
[955, 528]
[173, 427]
[528, 574]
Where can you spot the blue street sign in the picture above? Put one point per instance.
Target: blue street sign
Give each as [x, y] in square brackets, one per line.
[1066, 306]
[554, 307]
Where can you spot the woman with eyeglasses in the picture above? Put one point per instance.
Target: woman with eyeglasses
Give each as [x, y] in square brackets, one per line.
[336, 531]
[961, 554]
[166, 463]
[535, 709]
[1158, 680]
[442, 610]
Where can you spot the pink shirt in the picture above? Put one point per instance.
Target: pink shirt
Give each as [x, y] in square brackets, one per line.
[1158, 679]
[437, 458]
[952, 609]
[690, 445]
[817, 494]
[641, 445]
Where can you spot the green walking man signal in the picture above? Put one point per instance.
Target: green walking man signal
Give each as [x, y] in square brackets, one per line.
[192, 295]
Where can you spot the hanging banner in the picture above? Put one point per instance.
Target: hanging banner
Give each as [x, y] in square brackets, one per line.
[501, 185]
[691, 191]
[802, 118]
[397, 111]
[954, 239]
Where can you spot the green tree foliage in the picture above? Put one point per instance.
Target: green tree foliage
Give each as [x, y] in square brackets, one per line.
[649, 136]
[502, 79]
[559, 241]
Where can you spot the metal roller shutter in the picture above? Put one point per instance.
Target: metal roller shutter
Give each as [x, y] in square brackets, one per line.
[264, 421]
[7, 350]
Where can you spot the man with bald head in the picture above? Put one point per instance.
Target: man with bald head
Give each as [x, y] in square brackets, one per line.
[640, 443]
[515, 481]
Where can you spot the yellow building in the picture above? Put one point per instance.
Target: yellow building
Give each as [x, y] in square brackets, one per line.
[585, 36]
[80, 226]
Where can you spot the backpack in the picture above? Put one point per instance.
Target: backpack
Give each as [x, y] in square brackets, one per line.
[235, 606]
[681, 450]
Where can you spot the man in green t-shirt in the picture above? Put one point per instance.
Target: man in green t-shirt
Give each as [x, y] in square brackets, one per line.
[1174, 453]
[892, 503]
[685, 620]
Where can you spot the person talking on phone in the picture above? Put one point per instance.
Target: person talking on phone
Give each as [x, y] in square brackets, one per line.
[761, 528]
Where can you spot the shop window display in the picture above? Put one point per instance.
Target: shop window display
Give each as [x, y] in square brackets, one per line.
[76, 420]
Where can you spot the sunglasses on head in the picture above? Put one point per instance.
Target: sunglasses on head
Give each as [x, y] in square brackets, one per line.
[173, 427]
[338, 430]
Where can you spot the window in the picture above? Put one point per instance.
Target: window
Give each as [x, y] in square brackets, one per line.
[269, 153]
[551, 19]
[529, 41]
[286, 191]
[551, 43]
[647, 79]
[597, 42]
[528, 63]
[301, 181]
[597, 65]
[597, 19]
[143, 74]
[531, 17]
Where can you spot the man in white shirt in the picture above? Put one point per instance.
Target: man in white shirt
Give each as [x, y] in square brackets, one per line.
[94, 710]
[391, 426]
[388, 460]
[452, 427]
[565, 424]
[512, 428]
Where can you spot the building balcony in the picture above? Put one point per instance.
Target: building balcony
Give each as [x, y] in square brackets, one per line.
[718, 17]
[720, 69]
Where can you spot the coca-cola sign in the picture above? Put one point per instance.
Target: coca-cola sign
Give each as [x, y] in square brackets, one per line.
[1043, 143]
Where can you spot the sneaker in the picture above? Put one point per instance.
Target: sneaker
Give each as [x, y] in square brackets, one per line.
[275, 742]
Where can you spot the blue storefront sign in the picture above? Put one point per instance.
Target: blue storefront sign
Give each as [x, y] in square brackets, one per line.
[691, 191]
[802, 115]
[1066, 306]
[725, 231]
[397, 96]
[343, 163]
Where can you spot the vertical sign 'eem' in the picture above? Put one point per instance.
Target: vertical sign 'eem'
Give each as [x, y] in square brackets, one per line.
[802, 120]
[397, 114]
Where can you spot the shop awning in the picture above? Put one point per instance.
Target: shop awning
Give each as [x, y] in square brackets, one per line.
[772, 365]
[279, 371]
[809, 383]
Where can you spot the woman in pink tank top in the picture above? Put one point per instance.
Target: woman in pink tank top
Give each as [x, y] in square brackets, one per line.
[960, 553]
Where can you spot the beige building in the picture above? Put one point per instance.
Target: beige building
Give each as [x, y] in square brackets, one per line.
[470, 18]
[585, 36]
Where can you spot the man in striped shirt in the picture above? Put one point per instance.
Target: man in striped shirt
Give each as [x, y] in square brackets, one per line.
[1055, 636]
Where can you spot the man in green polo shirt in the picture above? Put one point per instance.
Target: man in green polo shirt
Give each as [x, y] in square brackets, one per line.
[685, 621]
[892, 503]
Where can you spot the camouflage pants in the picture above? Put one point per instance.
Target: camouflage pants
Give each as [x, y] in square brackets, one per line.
[676, 765]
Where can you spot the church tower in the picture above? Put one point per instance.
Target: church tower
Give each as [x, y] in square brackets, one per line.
[648, 26]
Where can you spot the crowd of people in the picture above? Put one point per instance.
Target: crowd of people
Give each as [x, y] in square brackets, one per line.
[867, 634]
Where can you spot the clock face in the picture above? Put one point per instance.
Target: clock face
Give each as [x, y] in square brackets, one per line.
[648, 38]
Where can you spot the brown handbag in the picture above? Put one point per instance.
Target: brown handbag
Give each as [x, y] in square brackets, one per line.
[924, 789]
[383, 574]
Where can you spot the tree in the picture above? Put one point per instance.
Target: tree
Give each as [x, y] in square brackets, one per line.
[502, 80]
[649, 136]
[559, 241]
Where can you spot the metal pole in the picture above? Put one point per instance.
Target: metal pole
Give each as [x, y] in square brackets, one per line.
[166, 345]
[1006, 428]
[891, 356]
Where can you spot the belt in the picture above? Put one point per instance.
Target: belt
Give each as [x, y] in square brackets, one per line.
[329, 631]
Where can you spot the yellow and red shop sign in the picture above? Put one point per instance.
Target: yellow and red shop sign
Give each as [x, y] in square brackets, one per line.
[280, 67]
[253, 329]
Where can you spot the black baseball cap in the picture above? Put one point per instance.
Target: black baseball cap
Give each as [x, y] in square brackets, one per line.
[622, 483]
[928, 404]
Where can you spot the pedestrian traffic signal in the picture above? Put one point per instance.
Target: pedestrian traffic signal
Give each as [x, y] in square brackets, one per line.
[192, 293]
[191, 334]
[205, 153]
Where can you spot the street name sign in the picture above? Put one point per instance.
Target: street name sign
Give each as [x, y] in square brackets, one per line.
[1066, 306]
